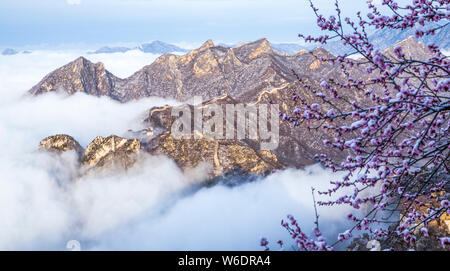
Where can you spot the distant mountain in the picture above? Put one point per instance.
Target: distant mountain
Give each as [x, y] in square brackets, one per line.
[9, 52]
[155, 47]
[288, 48]
[226, 45]
[110, 50]
[385, 38]
[159, 47]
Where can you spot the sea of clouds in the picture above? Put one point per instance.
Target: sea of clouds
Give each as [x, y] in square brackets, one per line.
[149, 207]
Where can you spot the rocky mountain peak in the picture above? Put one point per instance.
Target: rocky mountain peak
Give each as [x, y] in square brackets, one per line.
[410, 41]
[80, 75]
[207, 44]
[262, 42]
[82, 61]
[61, 143]
[112, 152]
[191, 55]
[301, 52]
[410, 47]
[252, 50]
[209, 71]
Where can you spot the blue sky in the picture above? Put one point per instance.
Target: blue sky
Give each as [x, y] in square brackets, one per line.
[57, 22]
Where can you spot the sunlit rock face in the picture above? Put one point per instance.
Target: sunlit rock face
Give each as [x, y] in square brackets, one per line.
[222, 155]
[296, 146]
[116, 153]
[61, 143]
[209, 71]
[411, 48]
[112, 152]
[80, 75]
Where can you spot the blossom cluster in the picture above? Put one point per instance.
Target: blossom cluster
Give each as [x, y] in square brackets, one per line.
[396, 135]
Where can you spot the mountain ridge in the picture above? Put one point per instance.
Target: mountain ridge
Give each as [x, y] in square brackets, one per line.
[382, 39]
[208, 71]
[269, 80]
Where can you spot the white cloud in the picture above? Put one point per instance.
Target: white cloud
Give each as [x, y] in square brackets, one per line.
[223, 218]
[73, 2]
[149, 207]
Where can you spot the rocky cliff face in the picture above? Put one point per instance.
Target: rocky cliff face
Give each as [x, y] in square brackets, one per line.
[61, 143]
[218, 156]
[112, 152]
[296, 146]
[411, 48]
[209, 71]
[80, 75]
[221, 155]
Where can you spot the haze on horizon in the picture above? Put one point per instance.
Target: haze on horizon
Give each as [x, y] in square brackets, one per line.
[59, 23]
